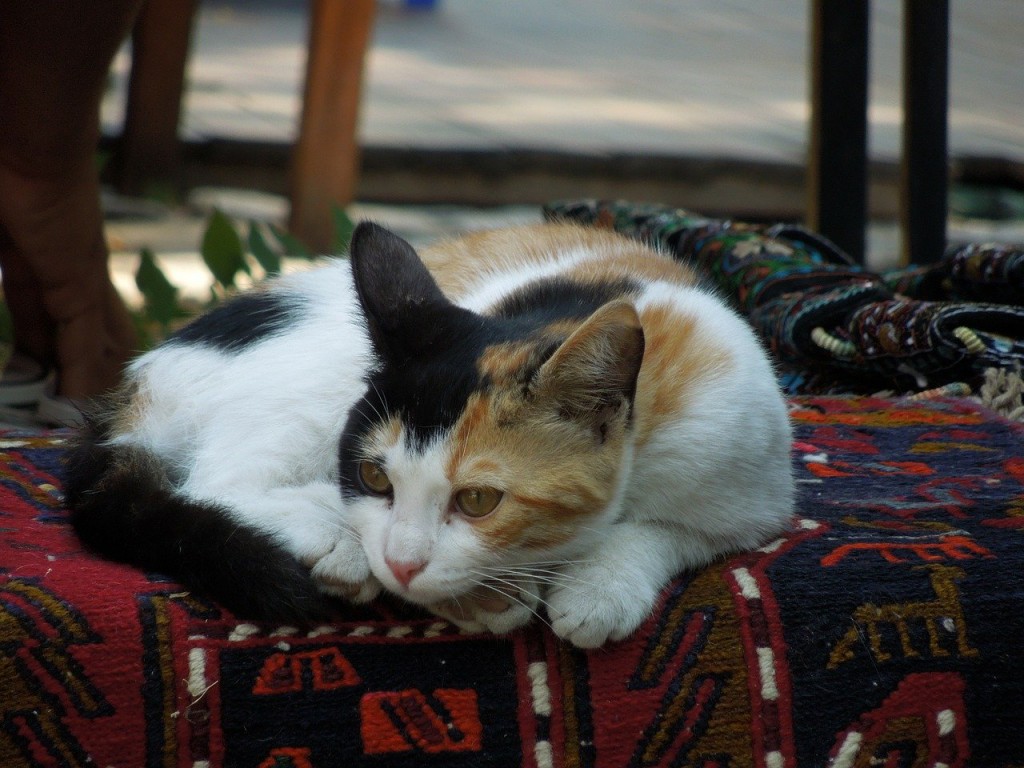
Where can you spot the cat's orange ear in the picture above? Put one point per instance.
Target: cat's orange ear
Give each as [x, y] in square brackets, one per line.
[593, 374]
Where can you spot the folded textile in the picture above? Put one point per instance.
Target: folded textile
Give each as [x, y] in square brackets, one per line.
[833, 325]
[991, 272]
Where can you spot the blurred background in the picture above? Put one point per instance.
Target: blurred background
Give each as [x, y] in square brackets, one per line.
[474, 112]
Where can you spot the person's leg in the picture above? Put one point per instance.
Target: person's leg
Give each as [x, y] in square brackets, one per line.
[54, 59]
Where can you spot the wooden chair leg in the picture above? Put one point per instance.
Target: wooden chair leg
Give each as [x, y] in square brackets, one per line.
[149, 151]
[325, 163]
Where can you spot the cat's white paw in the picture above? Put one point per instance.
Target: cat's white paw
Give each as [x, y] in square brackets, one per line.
[595, 604]
[345, 572]
[306, 519]
[310, 544]
[491, 609]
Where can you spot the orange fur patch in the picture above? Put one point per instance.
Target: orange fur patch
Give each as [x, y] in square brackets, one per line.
[380, 438]
[631, 260]
[677, 358]
[553, 473]
[459, 264]
[503, 361]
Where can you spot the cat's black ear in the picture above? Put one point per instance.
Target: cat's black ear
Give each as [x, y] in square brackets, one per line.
[592, 375]
[400, 298]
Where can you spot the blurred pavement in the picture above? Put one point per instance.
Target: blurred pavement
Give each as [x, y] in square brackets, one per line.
[688, 78]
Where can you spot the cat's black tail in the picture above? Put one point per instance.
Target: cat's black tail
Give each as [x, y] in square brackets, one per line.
[123, 508]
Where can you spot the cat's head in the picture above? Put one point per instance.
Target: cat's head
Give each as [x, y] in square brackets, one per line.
[483, 442]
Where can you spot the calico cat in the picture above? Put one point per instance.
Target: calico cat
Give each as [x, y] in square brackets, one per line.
[537, 418]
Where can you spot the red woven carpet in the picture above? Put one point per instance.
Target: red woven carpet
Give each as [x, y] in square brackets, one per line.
[884, 630]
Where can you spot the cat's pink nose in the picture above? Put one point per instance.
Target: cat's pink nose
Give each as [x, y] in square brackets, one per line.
[403, 571]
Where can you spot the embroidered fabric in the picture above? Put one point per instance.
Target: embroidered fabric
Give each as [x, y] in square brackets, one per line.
[833, 325]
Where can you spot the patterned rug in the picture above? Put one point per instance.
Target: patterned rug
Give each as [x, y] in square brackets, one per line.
[884, 630]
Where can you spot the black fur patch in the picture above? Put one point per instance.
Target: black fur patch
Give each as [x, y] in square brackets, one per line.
[242, 321]
[123, 508]
[558, 298]
[428, 395]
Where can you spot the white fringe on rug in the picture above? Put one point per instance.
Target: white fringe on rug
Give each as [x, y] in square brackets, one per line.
[1003, 392]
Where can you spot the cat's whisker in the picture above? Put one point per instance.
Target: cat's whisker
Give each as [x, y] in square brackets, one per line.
[529, 563]
[540, 597]
[515, 598]
[374, 414]
[551, 582]
[378, 415]
[383, 402]
[549, 576]
[546, 576]
[510, 582]
[552, 577]
[560, 579]
[540, 616]
[337, 523]
[455, 599]
[541, 566]
[572, 585]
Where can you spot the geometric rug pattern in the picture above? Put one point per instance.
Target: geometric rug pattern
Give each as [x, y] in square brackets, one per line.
[883, 629]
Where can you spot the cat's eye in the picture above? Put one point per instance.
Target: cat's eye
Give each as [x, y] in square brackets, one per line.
[373, 478]
[477, 502]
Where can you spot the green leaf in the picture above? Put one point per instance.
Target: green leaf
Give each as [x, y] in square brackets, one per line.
[343, 228]
[143, 331]
[222, 250]
[159, 294]
[291, 244]
[263, 253]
